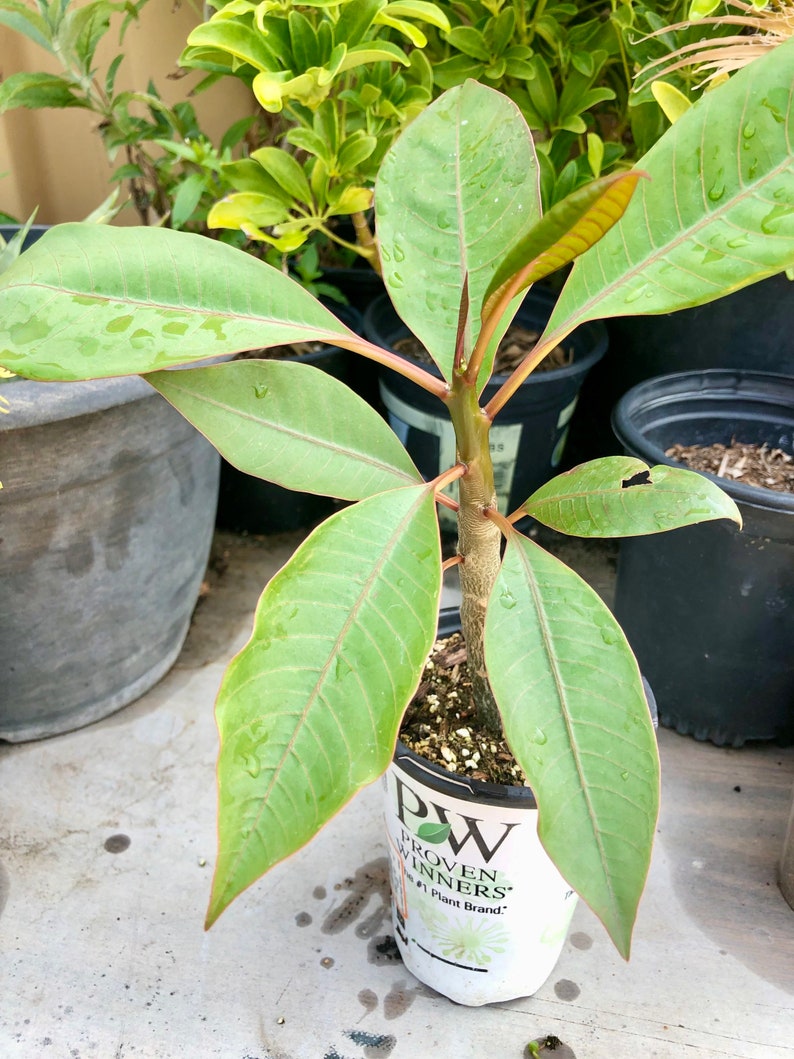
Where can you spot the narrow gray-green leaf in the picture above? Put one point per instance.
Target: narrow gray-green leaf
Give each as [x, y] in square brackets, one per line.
[717, 213]
[576, 719]
[620, 496]
[475, 194]
[292, 424]
[89, 301]
[309, 710]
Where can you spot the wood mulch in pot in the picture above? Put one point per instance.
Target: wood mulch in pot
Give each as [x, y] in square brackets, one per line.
[756, 465]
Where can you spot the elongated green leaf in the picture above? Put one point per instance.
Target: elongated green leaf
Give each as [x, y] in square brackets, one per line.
[292, 424]
[38, 90]
[19, 17]
[309, 710]
[717, 213]
[576, 719]
[176, 298]
[285, 170]
[476, 195]
[619, 496]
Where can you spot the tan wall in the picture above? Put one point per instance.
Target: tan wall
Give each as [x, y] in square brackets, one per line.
[54, 159]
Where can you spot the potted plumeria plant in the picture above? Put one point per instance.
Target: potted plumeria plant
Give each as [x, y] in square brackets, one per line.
[310, 709]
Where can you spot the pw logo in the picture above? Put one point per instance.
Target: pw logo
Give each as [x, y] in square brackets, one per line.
[457, 829]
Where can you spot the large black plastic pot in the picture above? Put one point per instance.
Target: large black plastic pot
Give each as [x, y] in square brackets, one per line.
[749, 329]
[709, 610]
[250, 505]
[106, 521]
[528, 437]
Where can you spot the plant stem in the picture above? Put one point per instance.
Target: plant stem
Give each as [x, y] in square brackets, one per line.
[479, 539]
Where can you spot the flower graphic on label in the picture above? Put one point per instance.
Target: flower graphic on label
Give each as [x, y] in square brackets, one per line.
[466, 938]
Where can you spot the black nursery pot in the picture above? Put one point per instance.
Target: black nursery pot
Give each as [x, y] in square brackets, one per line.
[714, 335]
[528, 437]
[247, 504]
[709, 609]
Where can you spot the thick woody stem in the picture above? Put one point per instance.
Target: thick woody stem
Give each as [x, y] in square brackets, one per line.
[479, 540]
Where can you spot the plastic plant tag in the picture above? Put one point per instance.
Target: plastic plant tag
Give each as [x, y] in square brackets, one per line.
[480, 912]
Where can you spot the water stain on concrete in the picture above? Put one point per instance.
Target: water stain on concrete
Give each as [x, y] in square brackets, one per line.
[565, 989]
[117, 843]
[368, 1000]
[580, 940]
[399, 999]
[369, 882]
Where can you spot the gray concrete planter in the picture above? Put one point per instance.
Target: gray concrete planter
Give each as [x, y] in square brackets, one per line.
[106, 520]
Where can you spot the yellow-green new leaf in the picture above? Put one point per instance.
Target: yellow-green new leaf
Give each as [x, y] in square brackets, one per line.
[309, 710]
[563, 233]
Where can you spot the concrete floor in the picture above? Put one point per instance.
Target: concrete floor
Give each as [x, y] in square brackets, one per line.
[105, 870]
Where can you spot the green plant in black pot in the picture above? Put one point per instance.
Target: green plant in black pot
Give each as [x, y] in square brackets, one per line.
[309, 711]
[340, 80]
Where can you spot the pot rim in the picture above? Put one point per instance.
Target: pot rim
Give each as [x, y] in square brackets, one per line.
[35, 402]
[460, 786]
[716, 385]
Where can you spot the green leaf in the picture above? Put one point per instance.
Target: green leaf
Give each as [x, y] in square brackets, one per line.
[433, 833]
[716, 215]
[420, 10]
[672, 101]
[366, 54]
[38, 90]
[356, 149]
[244, 43]
[83, 29]
[482, 201]
[176, 297]
[20, 18]
[309, 710]
[470, 41]
[576, 719]
[247, 211]
[187, 198]
[619, 496]
[285, 170]
[292, 424]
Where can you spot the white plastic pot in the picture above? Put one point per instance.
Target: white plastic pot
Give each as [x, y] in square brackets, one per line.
[480, 912]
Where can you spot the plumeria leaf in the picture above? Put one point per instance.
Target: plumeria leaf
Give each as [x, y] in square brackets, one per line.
[154, 287]
[292, 424]
[575, 716]
[620, 496]
[308, 711]
[483, 199]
